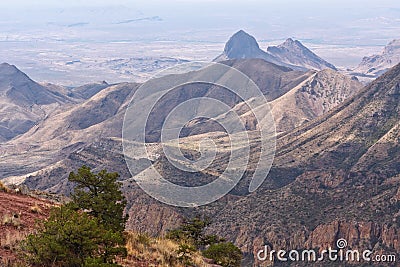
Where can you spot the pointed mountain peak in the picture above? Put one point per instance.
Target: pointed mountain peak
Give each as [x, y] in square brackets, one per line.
[7, 69]
[294, 52]
[241, 45]
[241, 33]
[6, 65]
[289, 41]
[10, 74]
[290, 44]
[21, 90]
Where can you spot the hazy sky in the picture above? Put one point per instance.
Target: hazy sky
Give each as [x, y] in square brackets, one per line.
[336, 21]
[211, 3]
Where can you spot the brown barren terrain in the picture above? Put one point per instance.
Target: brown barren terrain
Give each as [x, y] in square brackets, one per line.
[18, 216]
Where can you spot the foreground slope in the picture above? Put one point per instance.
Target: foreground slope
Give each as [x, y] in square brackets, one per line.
[18, 214]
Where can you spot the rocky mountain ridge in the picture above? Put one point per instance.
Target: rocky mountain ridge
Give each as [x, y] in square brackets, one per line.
[290, 53]
[295, 53]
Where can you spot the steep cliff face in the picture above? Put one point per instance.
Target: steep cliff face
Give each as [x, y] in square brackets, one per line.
[313, 214]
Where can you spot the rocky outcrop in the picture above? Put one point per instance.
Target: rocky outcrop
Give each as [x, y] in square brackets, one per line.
[295, 53]
[314, 97]
[375, 65]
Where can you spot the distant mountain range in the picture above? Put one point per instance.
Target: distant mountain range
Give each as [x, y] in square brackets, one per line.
[375, 65]
[291, 53]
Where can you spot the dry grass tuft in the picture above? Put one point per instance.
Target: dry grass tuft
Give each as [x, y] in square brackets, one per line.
[12, 239]
[36, 209]
[148, 251]
[4, 188]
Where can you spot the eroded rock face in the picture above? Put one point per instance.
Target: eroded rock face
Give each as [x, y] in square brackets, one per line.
[315, 97]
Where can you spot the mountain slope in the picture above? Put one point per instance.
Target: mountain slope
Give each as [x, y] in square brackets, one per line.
[318, 94]
[315, 97]
[23, 102]
[60, 134]
[344, 170]
[19, 214]
[89, 90]
[356, 126]
[101, 116]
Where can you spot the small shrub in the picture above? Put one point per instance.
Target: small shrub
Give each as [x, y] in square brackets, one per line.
[185, 252]
[3, 188]
[72, 238]
[225, 254]
[192, 231]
